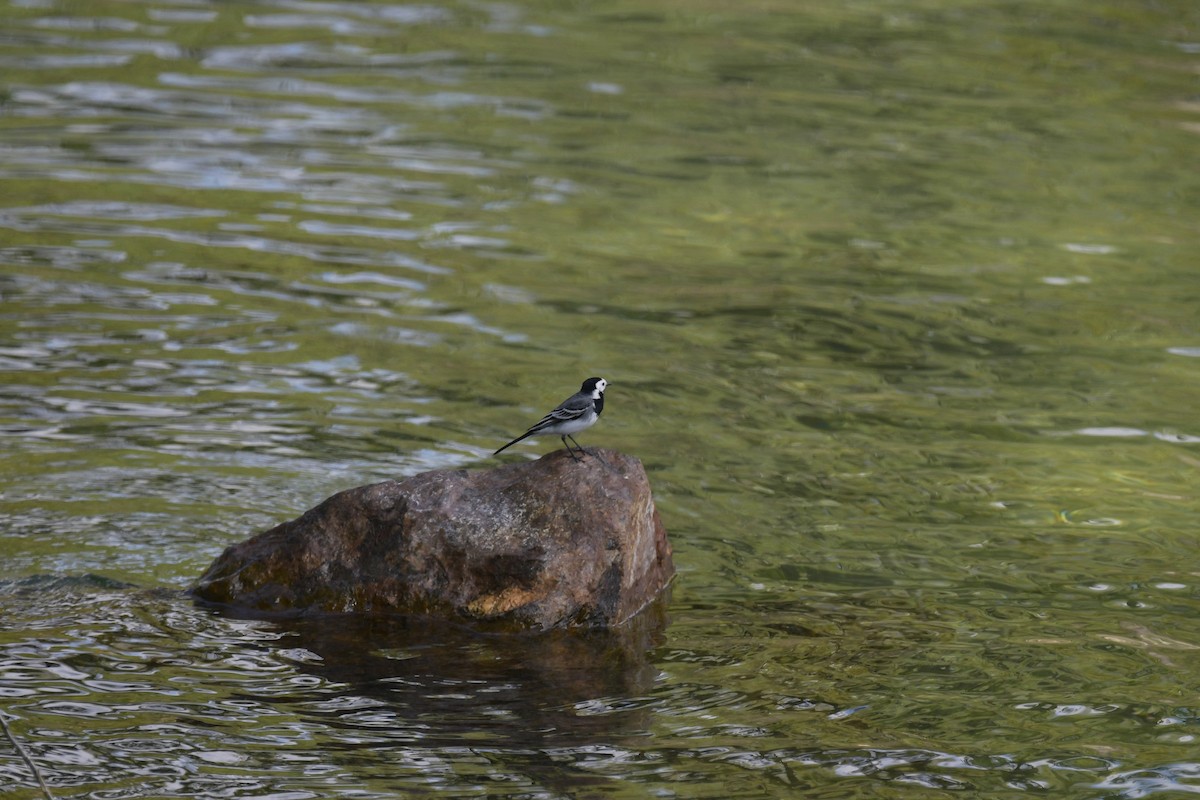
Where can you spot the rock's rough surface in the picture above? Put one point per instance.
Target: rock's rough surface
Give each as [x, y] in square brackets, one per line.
[539, 544]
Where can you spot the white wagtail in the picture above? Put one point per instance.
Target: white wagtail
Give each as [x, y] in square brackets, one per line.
[578, 412]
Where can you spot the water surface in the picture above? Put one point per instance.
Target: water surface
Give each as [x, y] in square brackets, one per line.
[898, 305]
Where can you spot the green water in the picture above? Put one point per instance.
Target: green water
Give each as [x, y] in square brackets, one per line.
[898, 302]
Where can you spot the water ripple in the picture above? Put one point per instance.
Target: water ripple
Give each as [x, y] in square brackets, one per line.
[920, 428]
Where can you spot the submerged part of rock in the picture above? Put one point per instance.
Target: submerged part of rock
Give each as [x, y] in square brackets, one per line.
[540, 544]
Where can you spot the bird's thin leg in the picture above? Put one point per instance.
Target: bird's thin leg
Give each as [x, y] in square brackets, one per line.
[566, 436]
[585, 451]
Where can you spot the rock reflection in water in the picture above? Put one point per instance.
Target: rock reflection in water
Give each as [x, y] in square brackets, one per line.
[161, 696]
[420, 691]
[447, 681]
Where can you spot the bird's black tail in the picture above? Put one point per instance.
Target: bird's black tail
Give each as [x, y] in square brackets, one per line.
[524, 435]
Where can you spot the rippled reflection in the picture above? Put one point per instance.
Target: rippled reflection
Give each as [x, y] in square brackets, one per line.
[153, 689]
[107, 683]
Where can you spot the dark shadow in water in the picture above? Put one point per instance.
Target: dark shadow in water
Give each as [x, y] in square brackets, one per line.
[533, 680]
[394, 693]
[525, 703]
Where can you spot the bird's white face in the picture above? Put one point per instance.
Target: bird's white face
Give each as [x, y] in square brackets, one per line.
[601, 385]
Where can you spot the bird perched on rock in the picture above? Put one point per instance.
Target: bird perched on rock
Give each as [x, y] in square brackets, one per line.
[578, 412]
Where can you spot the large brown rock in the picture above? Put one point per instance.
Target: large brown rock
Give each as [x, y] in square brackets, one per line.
[538, 544]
